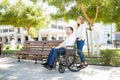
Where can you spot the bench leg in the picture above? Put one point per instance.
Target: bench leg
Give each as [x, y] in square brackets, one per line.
[18, 59]
[35, 60]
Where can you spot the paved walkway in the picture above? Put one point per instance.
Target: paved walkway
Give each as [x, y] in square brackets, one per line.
[10, 69]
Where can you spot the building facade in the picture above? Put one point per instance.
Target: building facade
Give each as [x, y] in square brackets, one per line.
[7, 33]
[56, 32]
[53, 32]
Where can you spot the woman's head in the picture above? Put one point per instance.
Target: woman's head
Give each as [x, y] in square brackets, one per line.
[80, 20]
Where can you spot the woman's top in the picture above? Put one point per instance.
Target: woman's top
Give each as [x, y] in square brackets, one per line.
[81, 32]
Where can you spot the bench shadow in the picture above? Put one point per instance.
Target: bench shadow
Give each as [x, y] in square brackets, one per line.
[10, 69]
[27, 70]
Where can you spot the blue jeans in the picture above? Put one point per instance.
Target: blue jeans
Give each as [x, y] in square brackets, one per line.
[80, 44]
[54, 54]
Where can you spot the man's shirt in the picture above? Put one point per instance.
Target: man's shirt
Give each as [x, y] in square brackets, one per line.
[69, 41]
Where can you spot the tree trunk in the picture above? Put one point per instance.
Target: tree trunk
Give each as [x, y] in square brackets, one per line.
[90, 23]
[28, 31]
[91, 41]
[88, 48]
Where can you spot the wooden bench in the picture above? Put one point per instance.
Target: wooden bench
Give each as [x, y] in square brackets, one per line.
[37, 50]
[116, 43]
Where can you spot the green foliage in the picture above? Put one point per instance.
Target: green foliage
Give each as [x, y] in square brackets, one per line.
[118, 27]
[70, 9]
[93, 60]
[34, 1]
[4, 4]
[110, 57]
[9, 53]
[33, 32]
[6, 47]
[21, 15]
[19, 46]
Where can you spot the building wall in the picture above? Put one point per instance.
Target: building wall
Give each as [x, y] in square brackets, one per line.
[8, 32]
[53, 32]
[56, 32]
[103, 31]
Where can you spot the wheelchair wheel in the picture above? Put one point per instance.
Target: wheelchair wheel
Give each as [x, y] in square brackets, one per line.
[75, 67]
[70, 60]
[61, 69]
[60, 63]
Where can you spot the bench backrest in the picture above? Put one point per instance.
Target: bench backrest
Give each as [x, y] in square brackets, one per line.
[40, 45]
[33, 45]
[116, 42]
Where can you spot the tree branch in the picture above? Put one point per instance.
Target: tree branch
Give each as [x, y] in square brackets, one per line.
[84, 13]
[86, 16]
[96, 15]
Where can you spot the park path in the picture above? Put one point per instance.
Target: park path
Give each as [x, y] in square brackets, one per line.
[10, 69]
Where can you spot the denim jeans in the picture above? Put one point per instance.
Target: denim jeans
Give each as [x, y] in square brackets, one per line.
[80, 44]
[54, 54]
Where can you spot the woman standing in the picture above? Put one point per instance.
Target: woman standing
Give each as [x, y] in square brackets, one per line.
[80, 35]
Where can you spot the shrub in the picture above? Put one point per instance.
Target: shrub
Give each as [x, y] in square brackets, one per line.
[110, 57]
[18, 46]
[95, 45]
[116, 59]
[6, 47]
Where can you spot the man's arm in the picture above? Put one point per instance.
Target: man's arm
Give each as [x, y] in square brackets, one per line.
[61, 45]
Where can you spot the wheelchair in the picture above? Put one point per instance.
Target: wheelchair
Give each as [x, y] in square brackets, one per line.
[69, 59]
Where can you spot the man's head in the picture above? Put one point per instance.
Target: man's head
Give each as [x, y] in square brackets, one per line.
[69, 30]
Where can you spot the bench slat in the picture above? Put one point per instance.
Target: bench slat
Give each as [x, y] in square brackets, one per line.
[36, 49]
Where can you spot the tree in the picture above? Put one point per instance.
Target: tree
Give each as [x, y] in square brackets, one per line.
[3, 7]
[67, 11]
[92, 10]
[70, 9]
[26, 16]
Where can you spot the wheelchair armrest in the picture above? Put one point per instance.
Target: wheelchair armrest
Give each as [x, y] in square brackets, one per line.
[70, 47]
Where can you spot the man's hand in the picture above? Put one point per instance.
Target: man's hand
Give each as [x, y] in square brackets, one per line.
[57, 47]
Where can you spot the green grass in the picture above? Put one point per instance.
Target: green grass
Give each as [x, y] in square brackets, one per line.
[113, 56]
[8, 53]
[90, 59]
[93, 60]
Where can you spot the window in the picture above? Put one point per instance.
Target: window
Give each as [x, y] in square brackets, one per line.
[11, 30]
[60, 27]
[53, 26]
[0, 31]
[18, 30]
[19, 40]
[60, 38]
[36, 38]
[26, 38]
[64, 27]
[44, 38]
[5, 30]
[53, 38]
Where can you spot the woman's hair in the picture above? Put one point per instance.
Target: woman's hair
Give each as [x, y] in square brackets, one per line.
[81, 18]
[70, 28]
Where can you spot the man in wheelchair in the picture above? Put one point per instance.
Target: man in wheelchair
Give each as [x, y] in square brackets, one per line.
[54, 53]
